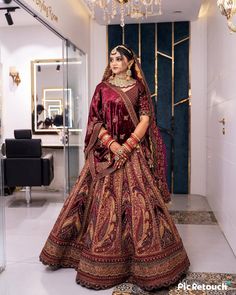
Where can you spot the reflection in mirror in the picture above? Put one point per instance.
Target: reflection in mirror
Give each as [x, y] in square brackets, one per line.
[49, 109]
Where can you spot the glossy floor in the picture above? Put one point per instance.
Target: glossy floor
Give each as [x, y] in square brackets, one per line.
[28, 228]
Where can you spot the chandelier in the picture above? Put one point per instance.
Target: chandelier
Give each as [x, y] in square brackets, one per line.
[135, 9]
[228, 9]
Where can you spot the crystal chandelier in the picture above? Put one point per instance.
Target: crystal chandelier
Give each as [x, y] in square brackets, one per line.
[132, 8]
[228, 9]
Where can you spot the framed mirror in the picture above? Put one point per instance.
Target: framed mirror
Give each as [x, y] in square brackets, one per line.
[49, 110]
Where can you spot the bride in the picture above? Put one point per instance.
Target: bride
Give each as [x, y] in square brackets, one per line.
[115, 226]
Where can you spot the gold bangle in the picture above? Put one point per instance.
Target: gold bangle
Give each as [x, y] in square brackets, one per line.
[136, 136]
[105, 138]
[103, 132]
[132, 142]
[127, 147]
[109, 144]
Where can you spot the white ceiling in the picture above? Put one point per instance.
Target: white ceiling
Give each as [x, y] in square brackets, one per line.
[189, 12]
[20, 16]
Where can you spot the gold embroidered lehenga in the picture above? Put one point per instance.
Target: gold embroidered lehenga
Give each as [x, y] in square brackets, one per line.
[115, 226]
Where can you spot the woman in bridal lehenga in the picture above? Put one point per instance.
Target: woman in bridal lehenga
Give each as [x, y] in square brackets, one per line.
[115, 226]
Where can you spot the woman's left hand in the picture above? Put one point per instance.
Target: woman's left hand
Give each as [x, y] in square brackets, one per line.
[121, 157]
[120, 162]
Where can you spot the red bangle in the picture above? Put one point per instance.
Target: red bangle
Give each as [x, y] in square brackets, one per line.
[134, 139]
[131, 143]
[106, 141]
[135, 136]
[127, 147]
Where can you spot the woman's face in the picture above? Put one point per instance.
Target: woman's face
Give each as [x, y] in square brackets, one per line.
[118, 63]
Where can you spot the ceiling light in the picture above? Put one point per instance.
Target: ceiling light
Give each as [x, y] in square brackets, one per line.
[8, 14]
[228, 9]
[134, 8]
[9, 18]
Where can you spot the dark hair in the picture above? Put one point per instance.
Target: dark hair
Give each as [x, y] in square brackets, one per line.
[58, 120]
[40, 108]
[127, 52]
[48, 122]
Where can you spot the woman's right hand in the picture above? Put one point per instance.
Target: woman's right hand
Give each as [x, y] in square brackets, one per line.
[115, 147]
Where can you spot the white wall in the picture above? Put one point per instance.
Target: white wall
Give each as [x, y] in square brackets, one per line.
[98, 59]
[34, 42]
[73, 19]
[221, 149]
[198, 75]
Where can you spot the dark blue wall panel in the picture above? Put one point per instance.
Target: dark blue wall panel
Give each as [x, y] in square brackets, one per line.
[181, 30]
[114, 36]
[181, 70]
[164, 98]
[164, 38]
[148, 54]
[181, 123]
[131, 36]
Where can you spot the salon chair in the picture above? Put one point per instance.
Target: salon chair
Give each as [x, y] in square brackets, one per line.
[24, 164]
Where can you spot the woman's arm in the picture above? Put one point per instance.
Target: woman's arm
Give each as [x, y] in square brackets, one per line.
[142, 126]
[101, 131]
[115, 146]
[140, 131]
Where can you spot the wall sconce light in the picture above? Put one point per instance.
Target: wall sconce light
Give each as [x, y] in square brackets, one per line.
[228, 9]
[15, 75]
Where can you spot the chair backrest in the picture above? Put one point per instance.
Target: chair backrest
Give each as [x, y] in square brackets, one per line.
[22, 134]
[24, 164]
[23, 146]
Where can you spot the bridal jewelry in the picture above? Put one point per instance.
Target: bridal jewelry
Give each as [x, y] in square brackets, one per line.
[120, 80]
[129, 72]
[114, 50]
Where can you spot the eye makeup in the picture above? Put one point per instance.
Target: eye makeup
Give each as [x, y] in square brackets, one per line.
[117, 58]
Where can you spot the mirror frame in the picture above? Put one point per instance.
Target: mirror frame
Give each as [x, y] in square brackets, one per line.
[54, 131]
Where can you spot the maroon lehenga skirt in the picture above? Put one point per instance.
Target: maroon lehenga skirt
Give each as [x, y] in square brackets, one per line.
[117, 229]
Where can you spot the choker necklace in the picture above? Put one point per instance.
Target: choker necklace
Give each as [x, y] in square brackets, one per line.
[120, 81]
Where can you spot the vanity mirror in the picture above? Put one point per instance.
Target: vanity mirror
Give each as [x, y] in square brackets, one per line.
[53, 104]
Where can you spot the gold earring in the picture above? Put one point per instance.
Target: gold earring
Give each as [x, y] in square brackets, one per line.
[128, 73]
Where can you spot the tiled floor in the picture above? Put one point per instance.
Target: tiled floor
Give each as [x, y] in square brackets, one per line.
[28, 228]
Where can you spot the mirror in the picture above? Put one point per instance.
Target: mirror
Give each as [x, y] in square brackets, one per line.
[48, 96]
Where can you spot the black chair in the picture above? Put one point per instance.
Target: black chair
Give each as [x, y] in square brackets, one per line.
[23, 163]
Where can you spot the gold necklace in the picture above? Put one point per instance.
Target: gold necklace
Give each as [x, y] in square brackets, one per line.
[120, 80]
